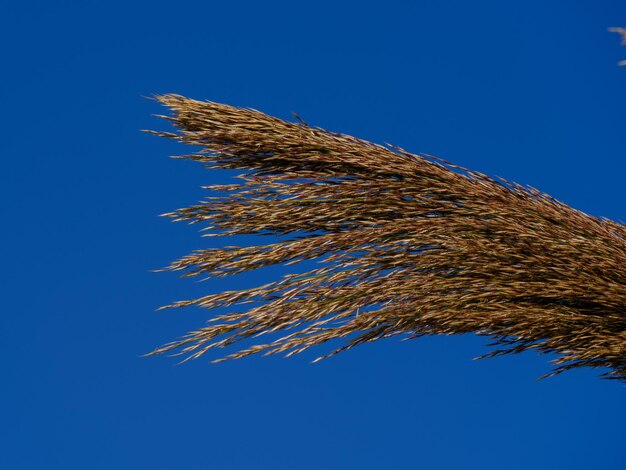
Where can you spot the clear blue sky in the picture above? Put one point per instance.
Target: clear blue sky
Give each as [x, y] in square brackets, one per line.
[529, 91]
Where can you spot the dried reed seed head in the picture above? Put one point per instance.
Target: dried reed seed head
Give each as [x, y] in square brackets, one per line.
[408, 244]
[621, 32]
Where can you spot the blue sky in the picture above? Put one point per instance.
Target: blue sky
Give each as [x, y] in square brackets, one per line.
[529, 91]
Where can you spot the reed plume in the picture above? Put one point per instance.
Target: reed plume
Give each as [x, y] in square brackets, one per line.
[621, 32]
[407, 245]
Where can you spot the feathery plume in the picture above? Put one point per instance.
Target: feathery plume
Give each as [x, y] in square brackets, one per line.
[622, 32]
[407, 245]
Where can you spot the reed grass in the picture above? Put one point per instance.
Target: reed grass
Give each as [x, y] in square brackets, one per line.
[407, 245]
[621, 32]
